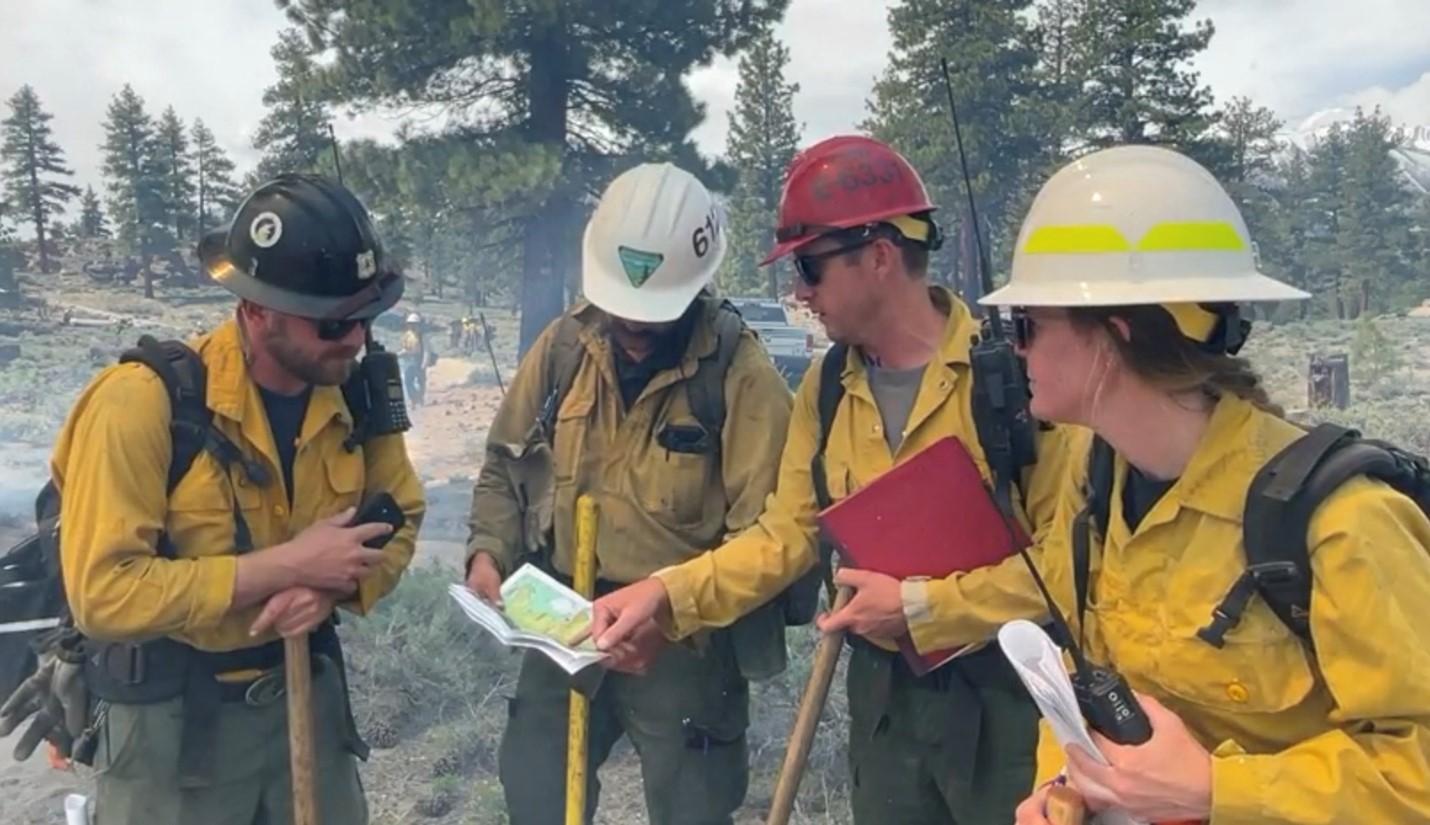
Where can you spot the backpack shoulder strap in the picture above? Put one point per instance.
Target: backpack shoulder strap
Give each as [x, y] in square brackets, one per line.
[831, 392]
[1101, 467]
[1095, 514]
[186, 380]
[191, 427]
[1282, 498]
[706, 389]
[563, 360]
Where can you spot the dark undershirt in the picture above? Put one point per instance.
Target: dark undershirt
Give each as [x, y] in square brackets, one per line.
[666, 353]
[1139, 495]
[285, 418]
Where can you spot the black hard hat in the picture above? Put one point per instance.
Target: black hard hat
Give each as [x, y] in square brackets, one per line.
[303, 245]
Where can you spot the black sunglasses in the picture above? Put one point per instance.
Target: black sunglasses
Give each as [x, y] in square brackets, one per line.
[1023, 327]
[811, 267]
[331, 330]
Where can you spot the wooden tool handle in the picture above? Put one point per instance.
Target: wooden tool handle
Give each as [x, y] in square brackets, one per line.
[299, 673]
[811, 706]
[1065, 806]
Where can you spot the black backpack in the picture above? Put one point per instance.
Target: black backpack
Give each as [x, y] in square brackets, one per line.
[32, 598]
[1282, 497]
[705, 390]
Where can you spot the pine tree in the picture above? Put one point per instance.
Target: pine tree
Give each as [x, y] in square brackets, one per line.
[1374, 233]
[1138, 85]
[216, 193]
[559, 98]
[1323, 213]
[1246, 142]
[993, 60]
[91, 216]
[10, 257]
[32, 162]
[133, 179]
[762, 140]
[293, 136]
[175, 167]
[1062, 58]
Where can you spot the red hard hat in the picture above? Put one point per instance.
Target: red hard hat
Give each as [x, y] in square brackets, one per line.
[840, 183]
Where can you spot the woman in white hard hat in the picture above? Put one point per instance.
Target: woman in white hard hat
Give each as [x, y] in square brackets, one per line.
[1125, 282]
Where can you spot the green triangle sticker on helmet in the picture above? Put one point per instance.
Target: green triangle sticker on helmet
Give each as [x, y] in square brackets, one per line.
[639, 264]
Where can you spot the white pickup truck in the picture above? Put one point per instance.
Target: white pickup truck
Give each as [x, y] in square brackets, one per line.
[789, 346]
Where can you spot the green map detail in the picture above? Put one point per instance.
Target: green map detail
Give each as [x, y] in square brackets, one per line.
[639, 265]
[537, 609]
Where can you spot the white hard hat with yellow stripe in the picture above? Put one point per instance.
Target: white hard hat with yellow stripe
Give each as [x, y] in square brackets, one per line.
[1137, 225]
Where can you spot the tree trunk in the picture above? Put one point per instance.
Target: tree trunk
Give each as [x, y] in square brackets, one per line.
[548, 85]
[38, 207]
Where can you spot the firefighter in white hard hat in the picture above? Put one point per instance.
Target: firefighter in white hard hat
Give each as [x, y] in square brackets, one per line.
[653, 398]
[1287, 691]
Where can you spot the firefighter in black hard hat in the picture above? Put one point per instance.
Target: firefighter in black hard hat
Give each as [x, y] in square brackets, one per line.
[183, 586]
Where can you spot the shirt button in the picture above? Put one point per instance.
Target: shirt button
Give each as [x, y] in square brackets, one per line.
[1237, 692]
[279, 510]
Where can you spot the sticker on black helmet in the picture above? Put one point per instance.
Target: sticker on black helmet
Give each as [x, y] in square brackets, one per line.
[366, 264]
[266, 229]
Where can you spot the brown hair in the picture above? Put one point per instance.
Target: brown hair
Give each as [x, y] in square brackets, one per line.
[1157, 352]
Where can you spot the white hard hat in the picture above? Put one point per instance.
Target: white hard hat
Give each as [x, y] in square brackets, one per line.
[1135, 225]
[414, 318]
[655, 239]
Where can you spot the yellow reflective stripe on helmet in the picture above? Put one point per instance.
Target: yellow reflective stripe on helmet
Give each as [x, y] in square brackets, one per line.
[1073, 239]
[1172, 236]
[1192, 236]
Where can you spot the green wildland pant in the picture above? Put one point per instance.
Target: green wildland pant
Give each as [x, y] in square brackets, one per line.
[137, 764]
[954, 747]
[686, 718]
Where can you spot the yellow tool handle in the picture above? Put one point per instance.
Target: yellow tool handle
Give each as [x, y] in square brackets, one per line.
[583, 581]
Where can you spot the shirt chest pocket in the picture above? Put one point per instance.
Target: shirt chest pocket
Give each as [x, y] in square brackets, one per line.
[345, 474]
[570, 436]
[201, 510]
[1262, 667]
[674, 483]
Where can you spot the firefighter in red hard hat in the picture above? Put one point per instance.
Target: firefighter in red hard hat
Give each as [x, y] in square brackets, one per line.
[954, 745]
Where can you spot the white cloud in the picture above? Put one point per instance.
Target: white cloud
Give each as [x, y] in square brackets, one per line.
[1300, 56]
[837, 48]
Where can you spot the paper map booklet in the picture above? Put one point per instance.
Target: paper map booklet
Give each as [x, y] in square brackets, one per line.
[538, 612]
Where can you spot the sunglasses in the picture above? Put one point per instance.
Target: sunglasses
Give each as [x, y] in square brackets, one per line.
[811, 267]
[1023, 327]
[331, 330]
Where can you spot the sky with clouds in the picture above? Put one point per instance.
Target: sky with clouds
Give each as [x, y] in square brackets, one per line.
[209, 59]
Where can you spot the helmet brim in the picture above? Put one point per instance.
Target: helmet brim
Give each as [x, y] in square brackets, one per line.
[384, 290]
[1250, 287]
[649, 304]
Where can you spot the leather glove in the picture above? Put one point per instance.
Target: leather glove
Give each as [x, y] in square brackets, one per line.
[55, 695]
